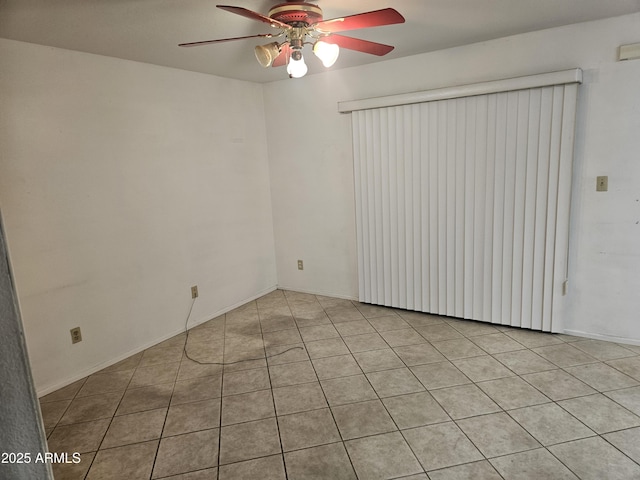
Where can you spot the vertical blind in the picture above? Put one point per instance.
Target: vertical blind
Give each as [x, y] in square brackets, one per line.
[462, 204]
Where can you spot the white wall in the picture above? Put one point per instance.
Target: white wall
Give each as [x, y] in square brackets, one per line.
[311, 166]
[312, 179]
[122, 184]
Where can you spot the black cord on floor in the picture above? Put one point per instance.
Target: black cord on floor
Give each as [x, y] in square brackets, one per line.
[224, 363]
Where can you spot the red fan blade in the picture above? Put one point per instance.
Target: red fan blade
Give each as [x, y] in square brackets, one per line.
[377, 18]
[359, 45]
[285, 54]
[207, 42]
[254, 16]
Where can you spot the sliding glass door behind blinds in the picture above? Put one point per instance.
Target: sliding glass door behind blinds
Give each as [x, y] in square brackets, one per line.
[462, 205]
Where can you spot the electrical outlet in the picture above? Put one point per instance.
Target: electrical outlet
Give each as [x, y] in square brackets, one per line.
[300, 265]
[602, 184]
[76, 335]
[194, 291]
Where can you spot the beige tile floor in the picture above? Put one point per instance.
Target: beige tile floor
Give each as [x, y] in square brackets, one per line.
[354, 391]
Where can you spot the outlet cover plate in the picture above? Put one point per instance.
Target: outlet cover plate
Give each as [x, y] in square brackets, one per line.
[602, 183]
[76, 335]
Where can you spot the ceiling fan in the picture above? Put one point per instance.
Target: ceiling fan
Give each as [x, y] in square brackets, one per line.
[300, 23]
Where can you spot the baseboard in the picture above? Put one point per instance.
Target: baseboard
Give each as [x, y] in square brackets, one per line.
[96, 368]
[607, 338]
[228, 309]
[317, 292]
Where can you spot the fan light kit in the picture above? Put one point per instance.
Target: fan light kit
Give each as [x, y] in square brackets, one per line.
[301, 24]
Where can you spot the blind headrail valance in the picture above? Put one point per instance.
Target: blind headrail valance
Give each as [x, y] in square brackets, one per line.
[510, 84]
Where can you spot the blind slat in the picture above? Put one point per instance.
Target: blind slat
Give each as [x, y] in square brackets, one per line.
[462, 205]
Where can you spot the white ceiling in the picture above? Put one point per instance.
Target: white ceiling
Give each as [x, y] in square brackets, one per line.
[150, 30]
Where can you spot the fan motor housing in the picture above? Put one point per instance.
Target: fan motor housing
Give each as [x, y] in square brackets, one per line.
[295, 13]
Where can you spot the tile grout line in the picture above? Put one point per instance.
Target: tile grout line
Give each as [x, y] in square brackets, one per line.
[438, 403]
[344, 446]
[596, 391]
[284, 466]
[155, 457]
[111, 421]
[222, 369]
[596, 434]
[504, 411]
